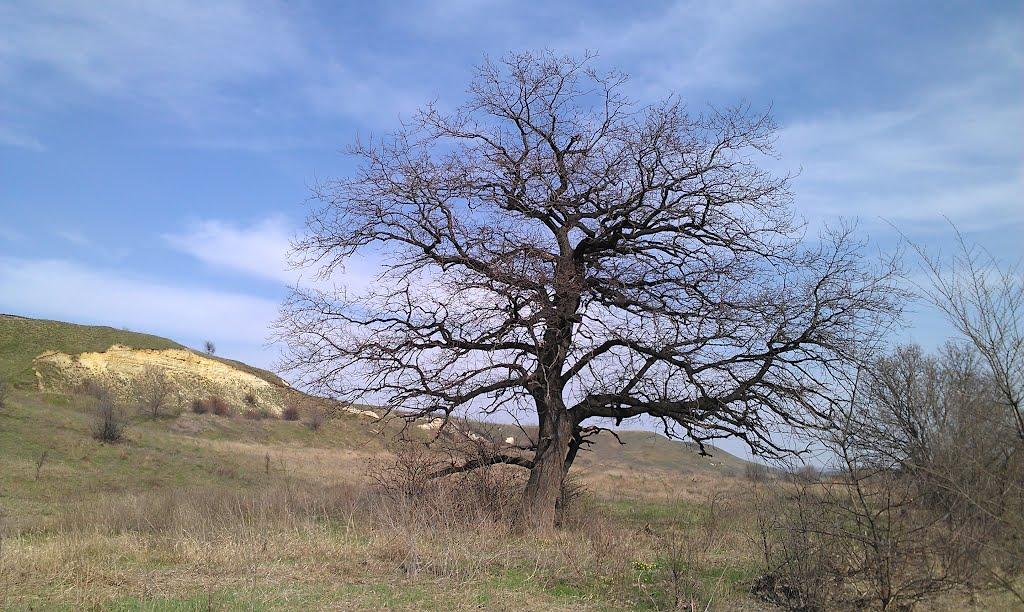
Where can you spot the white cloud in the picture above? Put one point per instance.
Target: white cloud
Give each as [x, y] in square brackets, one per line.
[170, 53]
[73, 292]
[13, 137]
[951, 153]
[690, 46]
[192, 63]
[261, 250]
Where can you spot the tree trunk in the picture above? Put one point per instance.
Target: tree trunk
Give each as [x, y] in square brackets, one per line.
[545, 484]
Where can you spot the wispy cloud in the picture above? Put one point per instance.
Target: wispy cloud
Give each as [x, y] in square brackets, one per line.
[951, 153]
[170, 54]
[69, 291]
[193, 64]
[259, 250]
[14, 137]
[262, 250]
[83, 242]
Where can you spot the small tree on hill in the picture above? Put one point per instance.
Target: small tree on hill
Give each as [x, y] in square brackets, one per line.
[552, 247]
[154, 391]
[209, 347]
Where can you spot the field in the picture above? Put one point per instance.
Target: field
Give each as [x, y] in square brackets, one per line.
[199, 512]
[204, 512]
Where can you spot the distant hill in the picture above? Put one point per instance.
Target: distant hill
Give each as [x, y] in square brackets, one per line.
[643, 451]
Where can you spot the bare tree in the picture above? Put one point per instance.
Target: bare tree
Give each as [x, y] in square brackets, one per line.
[938, 428]
[209, 347]
[553, 248]
[154, 389]
[984, 301]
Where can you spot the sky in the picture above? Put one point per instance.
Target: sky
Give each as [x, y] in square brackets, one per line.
[156, 157]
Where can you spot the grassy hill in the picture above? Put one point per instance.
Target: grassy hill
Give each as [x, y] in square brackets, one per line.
[23, 339]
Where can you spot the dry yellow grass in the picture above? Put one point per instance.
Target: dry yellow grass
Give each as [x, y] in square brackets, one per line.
[202, 512]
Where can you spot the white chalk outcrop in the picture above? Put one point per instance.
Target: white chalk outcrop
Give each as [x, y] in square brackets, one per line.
[120, 368]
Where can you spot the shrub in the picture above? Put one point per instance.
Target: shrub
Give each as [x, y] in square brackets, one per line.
[200, 406]
[3, 395]
[290, 413]
[315, 418]
[219, 407]
[250, 399]
[756, 472]
[108, 422]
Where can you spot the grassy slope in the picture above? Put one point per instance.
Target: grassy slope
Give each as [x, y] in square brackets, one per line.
[191, 450]
[23, 339]
[351, 566]
[76, 533]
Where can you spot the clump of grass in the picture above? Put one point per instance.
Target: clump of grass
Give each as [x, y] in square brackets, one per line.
[255, 414]
[3, 394]
[93, 388]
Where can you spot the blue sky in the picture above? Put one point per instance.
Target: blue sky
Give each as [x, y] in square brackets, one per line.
[154, 157]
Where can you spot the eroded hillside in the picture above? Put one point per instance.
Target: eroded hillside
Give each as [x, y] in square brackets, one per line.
[120, 369]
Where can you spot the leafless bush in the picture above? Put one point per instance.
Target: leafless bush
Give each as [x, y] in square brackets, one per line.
[316, 416]
[800, 572]
[806, 473]
[250, 399]
[408, 474]
[109, 421]
[938, 421]
[255, 414]
[685, 556]
[418, 483]
[200, 406]
[291, 412]
[984, 301]
[93, 388]
[219, 406]
[209, 347]
[154, 390]
[214, 405]
[927, 490]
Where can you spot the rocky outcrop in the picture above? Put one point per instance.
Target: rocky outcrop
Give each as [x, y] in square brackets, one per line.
[120, 368]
